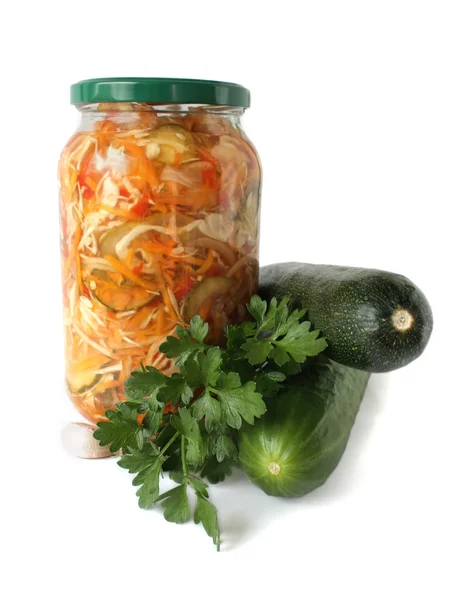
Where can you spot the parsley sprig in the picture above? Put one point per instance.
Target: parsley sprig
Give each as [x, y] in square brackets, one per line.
[186, 423]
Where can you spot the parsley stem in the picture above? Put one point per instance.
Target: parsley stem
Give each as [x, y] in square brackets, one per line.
[183, 457]
[173, 438]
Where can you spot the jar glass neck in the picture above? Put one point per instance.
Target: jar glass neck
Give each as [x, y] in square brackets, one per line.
[161, 108]
[121, 111]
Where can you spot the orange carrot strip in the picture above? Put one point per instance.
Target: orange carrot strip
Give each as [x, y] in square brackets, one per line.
[129, 274]
[160, 318]
[123, 374]
[153, 247]
[139, 318]
[106, 385]
[129, 257]
[79, 277]
[74, 248]
[89, 363]
[206, 266]
[91, 183]
[190, 259]
[117, 336]
[119, 212]
[174, 199]
[131, 351]
[117, 278]
[168, 279]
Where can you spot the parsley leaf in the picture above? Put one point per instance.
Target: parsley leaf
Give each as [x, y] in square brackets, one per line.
[236, 336]
[276, 334]
[301, 343]
[229, 380]
[207, 515]
[147, 463]
[122, 430]
[216, 471]
[224, 447]
[196, 451]
[136, 461]
[269, 383]
[198, 485]
[210, 366]
[177, 388]
[185, 423]
[198, 329]
[257, 308]
[176, 505]
[142, 383]
[239, 403]
[257, 352]
[152, 421]
[149, 490]
[280, 356]
[203, 369]
[208, 408]
[188, 341]
[189, 428]
[290, 368]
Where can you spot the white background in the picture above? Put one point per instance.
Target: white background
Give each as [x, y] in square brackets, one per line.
[360, 115]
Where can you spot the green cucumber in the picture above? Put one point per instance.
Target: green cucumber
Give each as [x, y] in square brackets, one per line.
[298, 443]
[372, 320]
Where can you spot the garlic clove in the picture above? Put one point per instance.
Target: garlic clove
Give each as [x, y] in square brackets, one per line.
[78, 440]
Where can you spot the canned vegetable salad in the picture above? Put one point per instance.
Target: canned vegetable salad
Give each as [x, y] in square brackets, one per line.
[159, 206]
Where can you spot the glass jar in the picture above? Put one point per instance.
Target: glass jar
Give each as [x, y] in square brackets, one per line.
[159, 207]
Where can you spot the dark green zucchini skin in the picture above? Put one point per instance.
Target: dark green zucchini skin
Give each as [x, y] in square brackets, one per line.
[354, 309]
[297, 444]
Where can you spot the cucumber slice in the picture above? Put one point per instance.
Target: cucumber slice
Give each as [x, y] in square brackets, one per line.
[114, 242]
[110, 239]
[127, 297]
[174, 143]
[132, 230]
[214, 288]
[81, 381]
[125, 294]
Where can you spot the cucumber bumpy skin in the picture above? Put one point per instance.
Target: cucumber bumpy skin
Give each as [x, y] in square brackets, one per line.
[298, 443]
[373, 320]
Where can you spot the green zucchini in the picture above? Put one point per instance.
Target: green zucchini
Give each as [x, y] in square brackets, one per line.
[372, 320]
[297, 444]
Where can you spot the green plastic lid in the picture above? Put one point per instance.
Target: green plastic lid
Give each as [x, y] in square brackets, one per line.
[156, 90]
